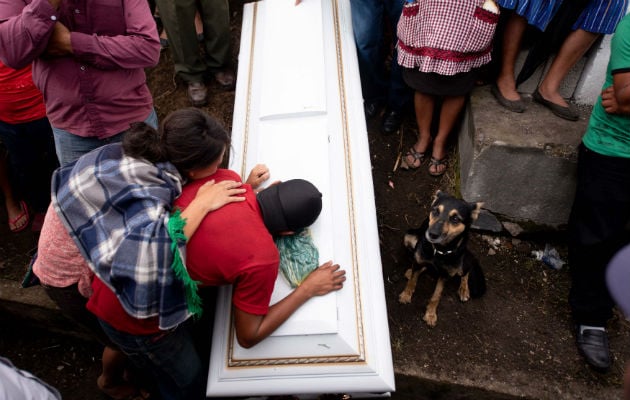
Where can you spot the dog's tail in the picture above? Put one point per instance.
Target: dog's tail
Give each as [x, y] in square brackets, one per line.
[476, 279]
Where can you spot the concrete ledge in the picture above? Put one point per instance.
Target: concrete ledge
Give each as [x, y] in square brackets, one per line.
[522, 166]
[33, 306]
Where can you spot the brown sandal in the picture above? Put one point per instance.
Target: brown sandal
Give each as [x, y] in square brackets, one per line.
[434, 162]
[416, 156]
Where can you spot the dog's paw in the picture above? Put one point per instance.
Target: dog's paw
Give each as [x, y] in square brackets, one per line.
[408, 273]
[430, 318]
[464, 293]
[404, 297]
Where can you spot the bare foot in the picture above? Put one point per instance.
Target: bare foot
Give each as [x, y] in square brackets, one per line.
[118, 391]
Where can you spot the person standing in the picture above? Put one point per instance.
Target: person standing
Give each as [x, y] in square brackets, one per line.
[600, 216]
[88, 60]
[28, 138]
[178, 18]
[370, 19]
[595, 18]
[440, 61]
[537, 13]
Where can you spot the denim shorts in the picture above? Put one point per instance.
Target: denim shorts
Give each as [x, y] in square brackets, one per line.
[169, 357]
[70, 147]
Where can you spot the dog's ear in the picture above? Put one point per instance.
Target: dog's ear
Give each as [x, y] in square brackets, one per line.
[475, 208]
[438, 194]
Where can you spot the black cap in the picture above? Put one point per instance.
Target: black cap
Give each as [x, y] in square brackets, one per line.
[290, 205]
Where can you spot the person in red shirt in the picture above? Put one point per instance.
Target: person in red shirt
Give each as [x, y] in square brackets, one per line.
[230, 245]
[28, 138]
[247, 257]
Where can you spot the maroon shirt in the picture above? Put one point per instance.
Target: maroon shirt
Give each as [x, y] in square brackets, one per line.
[101, 88]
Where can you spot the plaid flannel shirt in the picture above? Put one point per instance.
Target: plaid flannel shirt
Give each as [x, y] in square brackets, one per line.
[116, 208]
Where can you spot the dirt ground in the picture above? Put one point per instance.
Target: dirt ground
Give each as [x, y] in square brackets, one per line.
[522, 325]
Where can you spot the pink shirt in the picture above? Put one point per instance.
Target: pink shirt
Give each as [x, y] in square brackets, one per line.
[59, 262]
[100, 89]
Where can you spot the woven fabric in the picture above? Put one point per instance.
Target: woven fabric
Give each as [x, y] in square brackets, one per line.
[116, 209]
[445, 37]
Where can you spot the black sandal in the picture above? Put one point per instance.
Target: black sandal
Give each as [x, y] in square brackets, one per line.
[434, 162]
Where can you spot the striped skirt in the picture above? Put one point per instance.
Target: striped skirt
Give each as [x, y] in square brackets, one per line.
[601, 16]
[538, 13]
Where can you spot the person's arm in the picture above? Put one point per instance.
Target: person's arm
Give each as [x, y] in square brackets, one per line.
[25, 30]
[139, 47]
[210, 196]
[251, 328]
[616, 98]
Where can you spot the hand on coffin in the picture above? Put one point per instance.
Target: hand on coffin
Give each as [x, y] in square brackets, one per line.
[323, 280]
[259, 174]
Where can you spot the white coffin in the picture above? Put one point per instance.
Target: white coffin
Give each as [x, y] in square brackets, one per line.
[298, 109]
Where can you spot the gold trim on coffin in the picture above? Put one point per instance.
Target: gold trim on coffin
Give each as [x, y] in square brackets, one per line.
[351, 358]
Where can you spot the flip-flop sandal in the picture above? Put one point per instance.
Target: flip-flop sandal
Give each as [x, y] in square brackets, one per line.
[22, 217]
[434, 162]
[416, 155]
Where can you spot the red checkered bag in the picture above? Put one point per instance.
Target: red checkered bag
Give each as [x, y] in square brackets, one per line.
[445, 36]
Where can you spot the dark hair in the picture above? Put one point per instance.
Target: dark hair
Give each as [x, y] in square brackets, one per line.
[188, 138]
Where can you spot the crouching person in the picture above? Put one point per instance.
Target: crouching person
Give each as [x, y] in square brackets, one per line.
[117, 204]
[234, 245]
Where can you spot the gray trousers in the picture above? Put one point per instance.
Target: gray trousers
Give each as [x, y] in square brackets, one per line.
[178, 17]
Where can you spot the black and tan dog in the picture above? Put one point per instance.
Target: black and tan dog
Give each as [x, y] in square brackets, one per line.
[440, 246]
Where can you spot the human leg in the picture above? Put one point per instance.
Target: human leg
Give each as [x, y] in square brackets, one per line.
[169, 357]
[367, 26]
[178, 17]
[451, 108]
[112, 379]
[215, 15]
[573, 48]
[597, 230]
[511, 44]
[37, 163]
[399, 95]
[114, 362]
[18, 217]
[423, 106]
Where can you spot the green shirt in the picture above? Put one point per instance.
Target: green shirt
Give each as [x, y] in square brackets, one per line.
[609, 134]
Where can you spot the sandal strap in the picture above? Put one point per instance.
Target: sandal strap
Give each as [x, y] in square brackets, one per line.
[438, 162]
[417, 156]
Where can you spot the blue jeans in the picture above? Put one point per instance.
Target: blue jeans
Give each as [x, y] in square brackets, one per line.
[368, 25]
[169, 358]
[70, 146]
[32, 160]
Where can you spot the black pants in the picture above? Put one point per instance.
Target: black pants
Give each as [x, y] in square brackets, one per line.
[598, 228]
